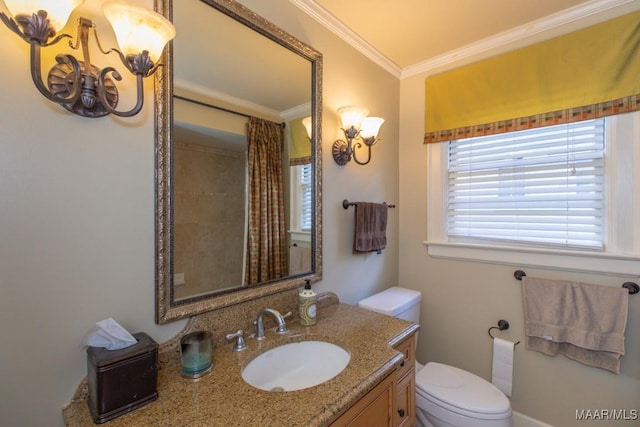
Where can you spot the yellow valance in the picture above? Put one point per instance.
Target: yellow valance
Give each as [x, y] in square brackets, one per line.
[299, 144]
[593, 72]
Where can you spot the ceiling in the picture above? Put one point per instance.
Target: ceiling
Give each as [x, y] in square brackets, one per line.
[402, 35]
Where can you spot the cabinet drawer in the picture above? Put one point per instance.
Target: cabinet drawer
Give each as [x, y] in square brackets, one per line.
[408, 349]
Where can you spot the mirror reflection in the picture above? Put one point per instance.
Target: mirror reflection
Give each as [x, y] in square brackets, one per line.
[242, 162]
[230, 226]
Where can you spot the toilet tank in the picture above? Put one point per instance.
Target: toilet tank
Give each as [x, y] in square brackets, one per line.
[397, 302]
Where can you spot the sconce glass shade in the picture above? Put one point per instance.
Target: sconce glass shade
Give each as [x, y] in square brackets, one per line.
[352, 116]
[138, 29]
[306, 122]
[371, 127]
[58, 11]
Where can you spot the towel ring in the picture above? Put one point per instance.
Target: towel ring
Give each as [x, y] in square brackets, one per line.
[502, 326]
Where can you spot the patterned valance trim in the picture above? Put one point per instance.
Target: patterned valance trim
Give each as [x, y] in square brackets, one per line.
[619, 106]
[300, 161]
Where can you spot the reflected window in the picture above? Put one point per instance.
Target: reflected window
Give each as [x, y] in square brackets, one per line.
[301, 203]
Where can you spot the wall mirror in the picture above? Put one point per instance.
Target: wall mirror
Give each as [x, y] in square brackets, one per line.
[229, 73]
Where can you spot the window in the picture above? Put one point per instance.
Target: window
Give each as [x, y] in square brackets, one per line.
[541, 187]
[301, 197]
[563, 197]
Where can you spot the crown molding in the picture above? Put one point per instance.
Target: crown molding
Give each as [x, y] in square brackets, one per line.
[214, 95]
[326, 19]
[536, 31]
[551, 26]
[296, 112]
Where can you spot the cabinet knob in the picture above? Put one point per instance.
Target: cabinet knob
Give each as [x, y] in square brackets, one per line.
[401, 412]
[402, 363]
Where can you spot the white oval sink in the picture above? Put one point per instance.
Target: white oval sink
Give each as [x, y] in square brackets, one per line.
[296, 366]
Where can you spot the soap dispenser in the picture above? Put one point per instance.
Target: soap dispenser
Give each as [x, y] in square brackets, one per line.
[308, 308]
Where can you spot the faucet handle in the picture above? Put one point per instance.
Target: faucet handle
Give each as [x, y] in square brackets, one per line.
[240, 344]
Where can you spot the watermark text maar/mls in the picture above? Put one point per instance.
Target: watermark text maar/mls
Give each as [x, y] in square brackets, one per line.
[607, 414]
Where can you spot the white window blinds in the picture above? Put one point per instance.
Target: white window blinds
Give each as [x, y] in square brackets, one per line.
[541, 187]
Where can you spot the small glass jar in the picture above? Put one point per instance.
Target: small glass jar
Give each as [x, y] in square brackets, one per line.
[195, 352]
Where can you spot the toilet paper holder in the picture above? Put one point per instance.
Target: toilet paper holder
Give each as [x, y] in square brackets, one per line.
[502, 326]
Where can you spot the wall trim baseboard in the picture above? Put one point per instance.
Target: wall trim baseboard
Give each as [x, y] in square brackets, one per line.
[521, 420]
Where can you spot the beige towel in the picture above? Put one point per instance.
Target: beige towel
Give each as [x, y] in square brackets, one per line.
[370, 227]
[299, 259]
[584, 322]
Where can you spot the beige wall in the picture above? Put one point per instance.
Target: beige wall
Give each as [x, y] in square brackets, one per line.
[77, 217]
[461, 300]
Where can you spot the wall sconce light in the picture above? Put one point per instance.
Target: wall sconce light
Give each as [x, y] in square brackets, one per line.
[356, 124]
[78, 85]
[306, 122]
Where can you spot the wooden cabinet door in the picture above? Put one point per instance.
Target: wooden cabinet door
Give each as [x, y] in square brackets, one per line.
[375, 409]
[392, 402]
[405, 408]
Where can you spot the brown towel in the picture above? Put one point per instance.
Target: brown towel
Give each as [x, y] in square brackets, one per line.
[584, 322]
[371, 227]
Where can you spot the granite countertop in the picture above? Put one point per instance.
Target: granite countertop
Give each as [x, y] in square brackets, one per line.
[223, 398]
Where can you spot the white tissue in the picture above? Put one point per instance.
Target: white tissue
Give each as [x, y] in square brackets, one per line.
[109, 334]
[502, 369]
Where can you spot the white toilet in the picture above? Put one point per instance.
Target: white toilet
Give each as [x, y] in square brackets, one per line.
[445, 396]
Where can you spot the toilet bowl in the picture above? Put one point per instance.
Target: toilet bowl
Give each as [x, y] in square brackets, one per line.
[445, 396]
[448, 396]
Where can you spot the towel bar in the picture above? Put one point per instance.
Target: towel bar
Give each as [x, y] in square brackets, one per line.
[346, 203]
[631, 286]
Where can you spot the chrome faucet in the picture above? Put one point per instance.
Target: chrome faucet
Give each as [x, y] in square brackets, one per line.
[282, 326]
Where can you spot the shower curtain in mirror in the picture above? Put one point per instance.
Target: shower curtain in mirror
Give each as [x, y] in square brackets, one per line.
[266, 241]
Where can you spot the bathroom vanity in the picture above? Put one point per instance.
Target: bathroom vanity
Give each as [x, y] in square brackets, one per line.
[375, 389]
[393, 399]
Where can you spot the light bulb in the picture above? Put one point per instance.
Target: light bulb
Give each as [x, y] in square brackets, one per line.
[352, 116]
[306, 122]
[371, 127]
[138, 29]
[58, 11]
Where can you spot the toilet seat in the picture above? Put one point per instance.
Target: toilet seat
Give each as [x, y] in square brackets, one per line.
[461, 392]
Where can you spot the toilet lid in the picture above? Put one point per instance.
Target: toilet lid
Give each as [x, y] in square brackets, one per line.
[392, 301]
[460, 389]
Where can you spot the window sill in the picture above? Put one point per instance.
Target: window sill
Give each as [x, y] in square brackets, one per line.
[619, 264]
[300, 236]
